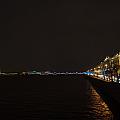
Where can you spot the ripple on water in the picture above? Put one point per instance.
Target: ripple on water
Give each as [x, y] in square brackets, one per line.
[98, 109]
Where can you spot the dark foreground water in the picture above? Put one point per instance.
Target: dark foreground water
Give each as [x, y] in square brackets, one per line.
[50, 97]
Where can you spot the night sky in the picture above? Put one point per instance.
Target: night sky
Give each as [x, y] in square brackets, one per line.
[58, 35]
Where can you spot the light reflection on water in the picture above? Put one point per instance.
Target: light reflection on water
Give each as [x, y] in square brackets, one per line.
[68, 97]
[98, 109]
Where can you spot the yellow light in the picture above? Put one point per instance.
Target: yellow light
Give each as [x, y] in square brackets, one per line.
[106, 65]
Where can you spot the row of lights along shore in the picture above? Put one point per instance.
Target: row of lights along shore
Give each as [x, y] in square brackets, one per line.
[108, 69]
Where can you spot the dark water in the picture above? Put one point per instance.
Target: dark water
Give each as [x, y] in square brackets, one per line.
[50, 97]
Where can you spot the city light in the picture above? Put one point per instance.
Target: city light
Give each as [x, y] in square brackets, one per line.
[108, 69]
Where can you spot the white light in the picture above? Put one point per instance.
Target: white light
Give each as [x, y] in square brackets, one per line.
[106, 65]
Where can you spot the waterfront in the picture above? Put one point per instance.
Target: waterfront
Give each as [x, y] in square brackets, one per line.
[51, 97]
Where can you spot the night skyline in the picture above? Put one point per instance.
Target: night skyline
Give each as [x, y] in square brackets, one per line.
[57, 35]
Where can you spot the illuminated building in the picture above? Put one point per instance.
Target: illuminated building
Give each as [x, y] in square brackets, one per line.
[109, 69]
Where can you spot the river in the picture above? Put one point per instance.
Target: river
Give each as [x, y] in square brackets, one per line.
[68, 97]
